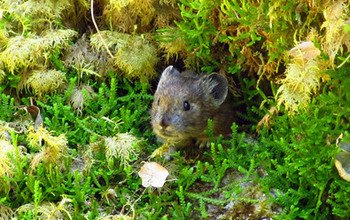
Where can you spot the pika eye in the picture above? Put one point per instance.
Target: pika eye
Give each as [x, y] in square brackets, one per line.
[187, 106]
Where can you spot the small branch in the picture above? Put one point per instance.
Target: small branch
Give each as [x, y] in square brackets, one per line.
[98, 31]
[343, 62]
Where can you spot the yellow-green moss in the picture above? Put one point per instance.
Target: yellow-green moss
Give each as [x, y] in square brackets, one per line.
[174, 49]
[134, 55]
[20, 52]
[47, 9]
[302, 80]
[51, 148]
[6, 165]
[45, 81]
[121, 146]
[125, 14]
[24, 52]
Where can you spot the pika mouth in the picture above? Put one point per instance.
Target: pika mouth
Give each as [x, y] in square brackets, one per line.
[166, 133]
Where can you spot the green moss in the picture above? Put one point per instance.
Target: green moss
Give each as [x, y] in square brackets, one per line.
[96, 134]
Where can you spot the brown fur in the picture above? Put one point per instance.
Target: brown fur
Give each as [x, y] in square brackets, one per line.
[207, 97]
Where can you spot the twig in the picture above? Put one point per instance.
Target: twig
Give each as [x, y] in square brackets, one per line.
[343, 62]
[98, 31]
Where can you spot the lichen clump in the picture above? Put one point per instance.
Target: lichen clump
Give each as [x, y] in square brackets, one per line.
[45, 81]
[134, 55]
[121, 146]
[51, 149]
[302, 80]
[79, 97]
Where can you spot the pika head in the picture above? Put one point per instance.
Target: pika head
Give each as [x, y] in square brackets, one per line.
[183, 103]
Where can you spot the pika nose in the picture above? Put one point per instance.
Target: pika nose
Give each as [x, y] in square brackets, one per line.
[164, 122]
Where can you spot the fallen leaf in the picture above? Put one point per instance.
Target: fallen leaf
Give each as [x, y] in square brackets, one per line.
[306, 49]
[153, 174]
[267, 119]
[35, 112]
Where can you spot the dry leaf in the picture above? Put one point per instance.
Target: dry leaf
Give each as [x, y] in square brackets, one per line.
[153, 174]
[306, 49]
[267, 119]
[35, 112]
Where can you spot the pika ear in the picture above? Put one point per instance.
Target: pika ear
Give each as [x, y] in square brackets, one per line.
[217, 86]
[169, 72]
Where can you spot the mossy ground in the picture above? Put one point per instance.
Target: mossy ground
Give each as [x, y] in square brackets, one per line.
[75, 102]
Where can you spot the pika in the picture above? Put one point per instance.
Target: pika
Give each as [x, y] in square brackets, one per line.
[183, 103]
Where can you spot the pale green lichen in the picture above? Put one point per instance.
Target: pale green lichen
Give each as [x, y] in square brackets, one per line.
[82, 58]
[134, 55]
[336, 22]
[121, 146]
[173, 49]
[5, 130]
[128, 13]
[56, 38]
[3, 38]
[302, 80]
[51, 148]
[48, 9]
[49, 210]
[45, 81]
[24, 52]
[6, 149]
[113, 39]
[20, 52]
[79, 96]
[137, 59]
